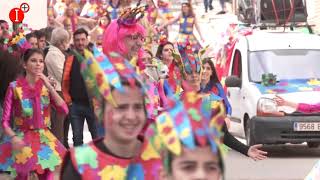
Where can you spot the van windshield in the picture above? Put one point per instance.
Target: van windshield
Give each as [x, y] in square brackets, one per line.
[285, 64]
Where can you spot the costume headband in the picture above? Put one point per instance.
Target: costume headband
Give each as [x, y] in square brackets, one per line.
[102, 74]
[194, 121]
[130, 16]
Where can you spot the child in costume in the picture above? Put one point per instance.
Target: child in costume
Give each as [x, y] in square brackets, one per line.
[96, 34]
[188, 136]
[30, 146]
[120, 102]
[164, 7]
[119, 99]
[187, 20]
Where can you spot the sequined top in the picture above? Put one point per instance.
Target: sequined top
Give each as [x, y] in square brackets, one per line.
[30, 106]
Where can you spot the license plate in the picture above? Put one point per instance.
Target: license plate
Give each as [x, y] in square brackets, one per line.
[306, 126]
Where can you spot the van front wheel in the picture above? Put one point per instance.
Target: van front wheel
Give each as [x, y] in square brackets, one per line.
[249, 136]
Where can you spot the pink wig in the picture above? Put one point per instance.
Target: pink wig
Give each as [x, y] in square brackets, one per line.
[113, 40]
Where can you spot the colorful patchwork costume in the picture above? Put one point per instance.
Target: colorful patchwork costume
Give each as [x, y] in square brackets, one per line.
[93, 164]
[30, 107]
[186, 35]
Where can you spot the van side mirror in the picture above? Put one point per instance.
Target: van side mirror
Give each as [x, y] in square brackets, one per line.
[233, 81]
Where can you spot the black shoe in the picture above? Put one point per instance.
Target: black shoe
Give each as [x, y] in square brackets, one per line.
[221, 12]
[211, 7]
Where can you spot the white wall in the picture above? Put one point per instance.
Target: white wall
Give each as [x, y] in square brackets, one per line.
[313, 8]
[36, 18]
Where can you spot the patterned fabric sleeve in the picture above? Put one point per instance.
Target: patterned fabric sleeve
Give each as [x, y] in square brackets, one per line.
[62, 108]
[7, 107]
[225, 99]
[308, 108]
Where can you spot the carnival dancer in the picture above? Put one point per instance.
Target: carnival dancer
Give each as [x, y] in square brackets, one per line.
[167, 55]
[96, 34]
[189, 138]
[71, 20]
[149, 23]
[30, 146]
[192, 70]
[120, 102]
[187, 20]
[210, 84]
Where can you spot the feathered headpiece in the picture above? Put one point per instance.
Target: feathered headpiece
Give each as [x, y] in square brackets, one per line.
[102, 74]
[191, 61]
[163, 39]
[194, 121]
[15, 40]
[130, 16]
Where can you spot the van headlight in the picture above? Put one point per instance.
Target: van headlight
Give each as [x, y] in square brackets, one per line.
[266, 107]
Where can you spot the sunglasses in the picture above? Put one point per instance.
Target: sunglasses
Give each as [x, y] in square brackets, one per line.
[137, 37]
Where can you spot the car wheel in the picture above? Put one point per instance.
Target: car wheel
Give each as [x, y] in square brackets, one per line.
[313, 144]
[249, 137]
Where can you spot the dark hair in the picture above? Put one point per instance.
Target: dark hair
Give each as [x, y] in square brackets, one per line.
[80, 31]
[170, 157]
[107, 15]
[214, 77]
[160, 49]
[3, 21]
[190, 13]
[29, 52]
[149, 52]
[31, 35]
[40, 33]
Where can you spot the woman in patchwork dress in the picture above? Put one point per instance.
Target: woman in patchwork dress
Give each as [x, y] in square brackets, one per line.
[30, 146]
[187, 20]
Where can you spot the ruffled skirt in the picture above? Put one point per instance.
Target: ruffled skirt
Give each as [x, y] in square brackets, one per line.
[183, 39]
[42, 151]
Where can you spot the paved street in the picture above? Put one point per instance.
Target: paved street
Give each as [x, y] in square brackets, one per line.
[285, 162]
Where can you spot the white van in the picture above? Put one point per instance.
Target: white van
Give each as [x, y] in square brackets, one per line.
[295, 60]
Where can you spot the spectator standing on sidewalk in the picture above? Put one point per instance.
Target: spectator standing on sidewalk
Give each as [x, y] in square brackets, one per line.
[54, 61]
[75, 93]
